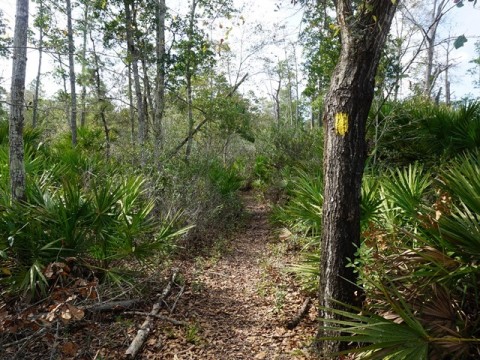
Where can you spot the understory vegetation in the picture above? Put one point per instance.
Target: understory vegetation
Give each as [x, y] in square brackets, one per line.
[92, 217]
[158, 135]
[98, 217]
[417, 264]
[95, 215]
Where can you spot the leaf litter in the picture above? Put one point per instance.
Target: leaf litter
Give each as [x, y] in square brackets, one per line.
[232, 305]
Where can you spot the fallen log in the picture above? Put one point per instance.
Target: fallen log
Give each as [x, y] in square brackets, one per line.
[144, 331]
[292, 324]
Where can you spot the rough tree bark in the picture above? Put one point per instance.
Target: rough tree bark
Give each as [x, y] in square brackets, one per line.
[19, 66]
[364, 28]
[71, 66]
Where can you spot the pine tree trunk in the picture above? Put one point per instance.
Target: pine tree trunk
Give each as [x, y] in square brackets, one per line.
[71, 66]
[276, 99]
[84, 66]
[16, 155]
[188, 79]
[133, 55]
[160, 81]
[131, 112]
[101, 98]
[188, 149]
[148, 100]
[363, 35]
[39, 70]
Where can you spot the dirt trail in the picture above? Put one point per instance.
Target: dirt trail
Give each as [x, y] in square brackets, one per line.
[237, 304]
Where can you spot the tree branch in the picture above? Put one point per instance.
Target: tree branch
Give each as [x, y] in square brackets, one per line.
[205, 120]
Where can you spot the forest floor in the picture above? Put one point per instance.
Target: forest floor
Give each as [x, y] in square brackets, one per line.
[232, 304]
[240, 302]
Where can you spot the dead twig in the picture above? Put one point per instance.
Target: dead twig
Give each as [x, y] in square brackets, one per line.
[185, 351]
[56, 342]
[17, 342]
[144, 331]
[182, 289]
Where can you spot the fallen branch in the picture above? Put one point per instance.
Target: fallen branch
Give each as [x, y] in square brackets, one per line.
[146, 327]
[157, 316]
[292, 324]
[17, 342]
[113, 305]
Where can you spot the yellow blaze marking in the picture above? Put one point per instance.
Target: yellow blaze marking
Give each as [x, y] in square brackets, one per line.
[341, 123]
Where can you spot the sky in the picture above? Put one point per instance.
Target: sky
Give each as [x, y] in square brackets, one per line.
[464, 21]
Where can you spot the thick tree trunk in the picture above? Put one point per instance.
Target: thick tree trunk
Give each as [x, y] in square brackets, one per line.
[16, 155]
[363, 35]
[160, 81]
[71, 66]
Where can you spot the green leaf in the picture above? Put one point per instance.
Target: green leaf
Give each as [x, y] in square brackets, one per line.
[460, 41]
[379, 338]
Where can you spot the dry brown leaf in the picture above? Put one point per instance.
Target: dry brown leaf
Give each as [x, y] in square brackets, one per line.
[66, 315]
[69, 349]
[285, 234]
[261, 356]
[56, 269]
[77, 313]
